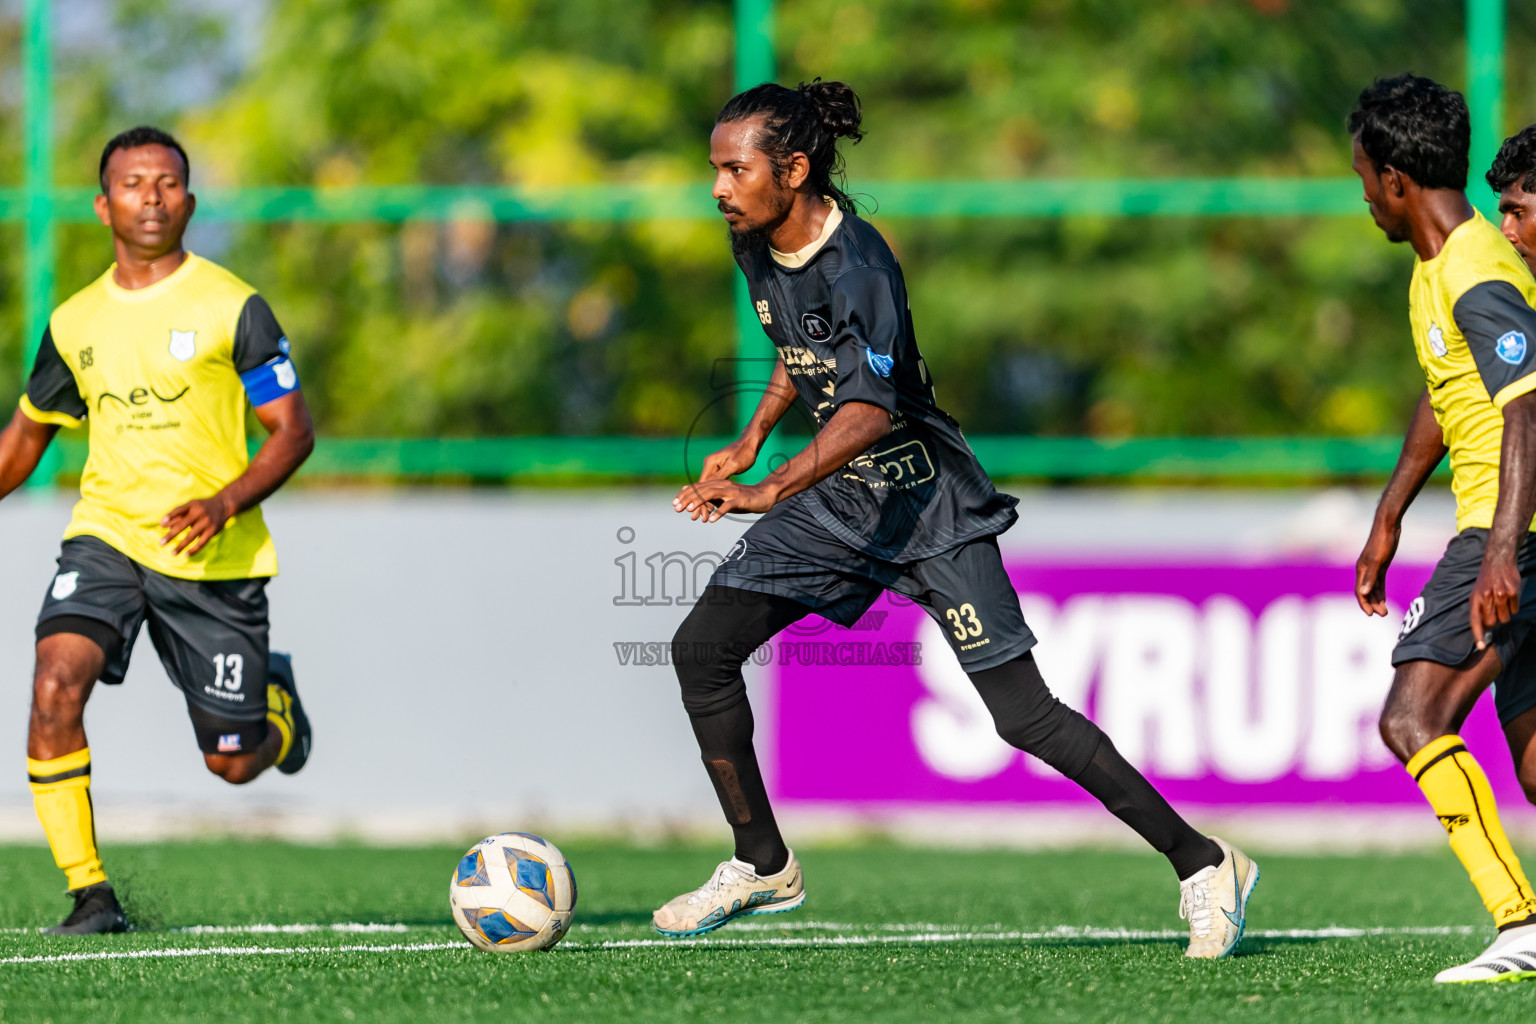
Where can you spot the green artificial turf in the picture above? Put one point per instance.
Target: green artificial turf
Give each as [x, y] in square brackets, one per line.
[900, 907]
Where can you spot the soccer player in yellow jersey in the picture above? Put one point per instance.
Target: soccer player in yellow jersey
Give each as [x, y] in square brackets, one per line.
[1474, 329]
[160, 357]
[1513, 177]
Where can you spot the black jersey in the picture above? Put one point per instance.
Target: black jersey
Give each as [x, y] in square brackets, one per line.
[843, 330]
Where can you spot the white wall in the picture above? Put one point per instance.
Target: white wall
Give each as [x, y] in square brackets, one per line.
[456, 651]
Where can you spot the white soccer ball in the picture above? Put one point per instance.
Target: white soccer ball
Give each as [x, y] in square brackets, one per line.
[513, 892]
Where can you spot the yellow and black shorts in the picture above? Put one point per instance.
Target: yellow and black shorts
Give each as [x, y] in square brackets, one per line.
[211, 635]
[1438, 625]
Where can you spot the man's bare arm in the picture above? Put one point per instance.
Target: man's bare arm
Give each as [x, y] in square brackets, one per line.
[22, 444]
[1496, 594]
[290, 439]
[740, 455]
[1423, 449]
[850, 432]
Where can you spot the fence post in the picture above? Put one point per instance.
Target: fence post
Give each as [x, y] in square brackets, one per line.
[754, 65]
[1485, 95]
[41, 244]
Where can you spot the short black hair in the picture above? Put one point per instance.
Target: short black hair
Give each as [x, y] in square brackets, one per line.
[809, 119]
[143, 135]
[1516, 162]
[1417, 126]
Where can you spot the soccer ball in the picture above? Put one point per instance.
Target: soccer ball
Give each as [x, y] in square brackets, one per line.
[513, 892]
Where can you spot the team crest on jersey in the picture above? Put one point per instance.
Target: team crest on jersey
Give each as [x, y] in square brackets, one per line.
[815, 327]
[183, 345]
[286, 375]
[1511, 347]
[883, 365]
[1437, 341]
[64, 584]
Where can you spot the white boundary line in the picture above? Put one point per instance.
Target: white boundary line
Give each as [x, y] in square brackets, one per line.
[344, 928]
[910, 936]
[1101, 934]
[1061, 931]
[155, 954]
[347, 928]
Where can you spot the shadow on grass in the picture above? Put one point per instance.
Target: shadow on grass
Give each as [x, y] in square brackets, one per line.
[606, 917]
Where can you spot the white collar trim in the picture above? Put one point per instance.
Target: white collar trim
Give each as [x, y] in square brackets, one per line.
[801, 257]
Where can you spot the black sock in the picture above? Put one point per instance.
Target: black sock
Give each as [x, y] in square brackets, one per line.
[1029, 718]
[1130, 797]
[725, 744]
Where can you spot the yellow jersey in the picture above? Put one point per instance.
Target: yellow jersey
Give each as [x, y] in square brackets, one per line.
[1474, 330]
[162, 375]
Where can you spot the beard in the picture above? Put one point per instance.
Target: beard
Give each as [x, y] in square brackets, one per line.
[748, 239]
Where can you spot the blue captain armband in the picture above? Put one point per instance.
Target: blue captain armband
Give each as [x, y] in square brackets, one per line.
[270, 381]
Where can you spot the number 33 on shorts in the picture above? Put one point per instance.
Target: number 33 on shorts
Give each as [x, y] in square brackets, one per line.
[964, 621]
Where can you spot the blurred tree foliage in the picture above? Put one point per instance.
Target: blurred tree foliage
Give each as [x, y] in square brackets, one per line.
[1084, 325]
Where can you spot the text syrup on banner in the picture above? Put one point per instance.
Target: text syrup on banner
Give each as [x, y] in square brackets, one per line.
[1226, 684]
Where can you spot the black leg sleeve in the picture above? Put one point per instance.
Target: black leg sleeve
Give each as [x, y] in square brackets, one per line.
[711, 645]
[1030, 718]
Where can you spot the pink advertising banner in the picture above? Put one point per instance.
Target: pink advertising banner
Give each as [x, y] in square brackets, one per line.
[1229, 685]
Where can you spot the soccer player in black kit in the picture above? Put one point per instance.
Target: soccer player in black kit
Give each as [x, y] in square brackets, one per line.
[887, 496]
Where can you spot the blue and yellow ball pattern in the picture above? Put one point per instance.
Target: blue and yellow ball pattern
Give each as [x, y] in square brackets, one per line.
[513, 892]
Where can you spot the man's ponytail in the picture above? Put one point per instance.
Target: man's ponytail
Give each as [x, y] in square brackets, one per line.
[838, 107]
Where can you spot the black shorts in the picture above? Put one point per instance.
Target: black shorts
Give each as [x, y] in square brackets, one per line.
[1438, 626]
[966, 590]
[211, 635]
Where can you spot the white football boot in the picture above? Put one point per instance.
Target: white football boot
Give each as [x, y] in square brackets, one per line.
[734, 890]
[1512, 957]
[1215, 902]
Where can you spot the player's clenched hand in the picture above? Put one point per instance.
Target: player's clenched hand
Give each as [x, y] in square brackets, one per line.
[1371, 568]
[197, 522]
[1495, 596]
[712, 499]
[736, 457]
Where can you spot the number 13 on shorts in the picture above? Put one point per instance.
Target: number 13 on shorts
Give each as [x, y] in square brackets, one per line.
[228, 671]
[963, 621]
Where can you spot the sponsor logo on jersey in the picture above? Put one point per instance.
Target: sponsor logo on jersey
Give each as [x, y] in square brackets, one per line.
[906, 465]
[282, 345]
[737, 550]
[229, 743]
[883, 365]
[139, 396]
[815, 327]
[223, 694]
[64, 584]
[1437, 341]
[88, 357]
[761, 305]
[183, 345]
[1511, 347]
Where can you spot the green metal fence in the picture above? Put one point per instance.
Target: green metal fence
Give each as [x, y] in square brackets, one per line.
[41, 207]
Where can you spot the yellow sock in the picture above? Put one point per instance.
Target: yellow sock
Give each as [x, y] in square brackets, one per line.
[279, 718]
[61, 792]
[1459, 792]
